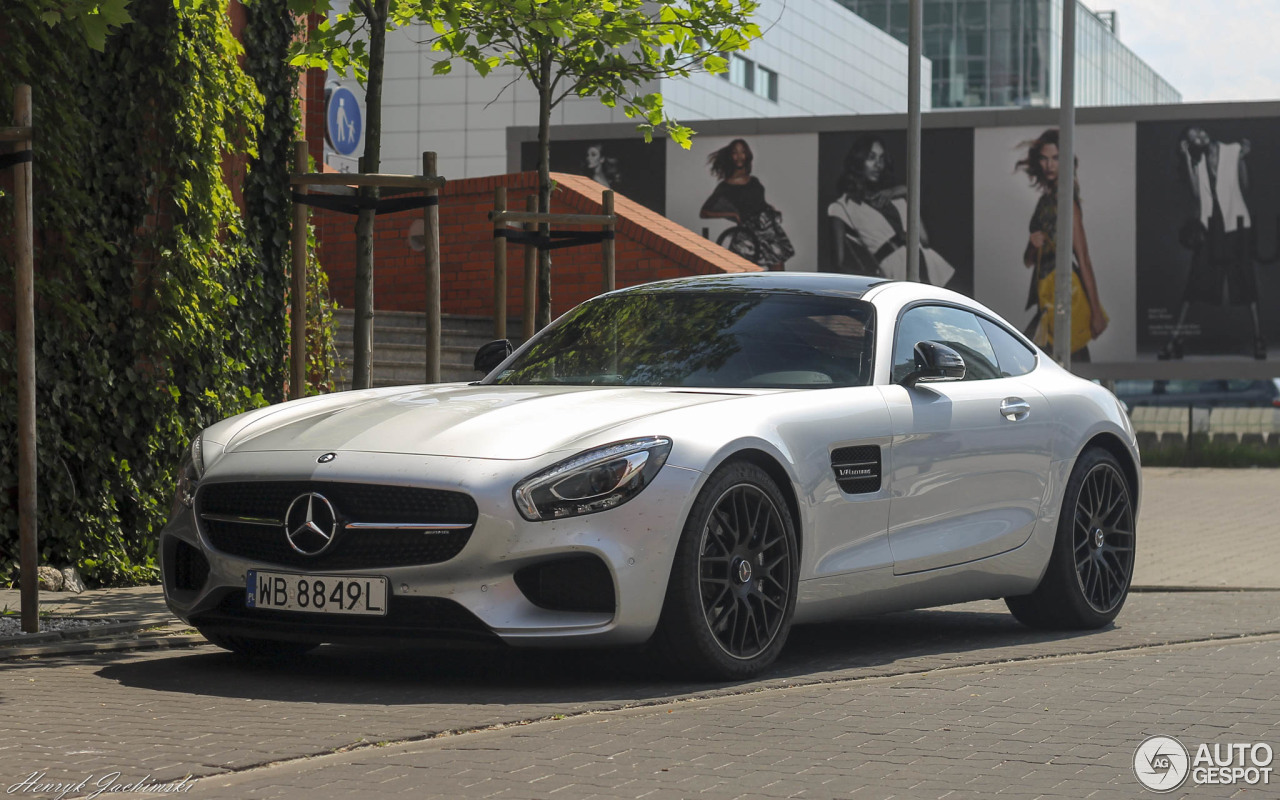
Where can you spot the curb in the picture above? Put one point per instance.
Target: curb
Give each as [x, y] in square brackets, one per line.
[110, 646]
[113, 637]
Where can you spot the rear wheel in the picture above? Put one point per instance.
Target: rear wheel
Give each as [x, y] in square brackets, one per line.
[259, 649]
[1087, 580]
[732, 592]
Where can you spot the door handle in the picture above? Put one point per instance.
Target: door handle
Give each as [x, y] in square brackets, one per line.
[1015, 409]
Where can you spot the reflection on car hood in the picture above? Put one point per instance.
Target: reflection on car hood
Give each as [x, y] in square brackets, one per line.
[505, 422]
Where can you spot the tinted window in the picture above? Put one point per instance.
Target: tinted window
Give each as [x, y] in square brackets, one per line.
[1013, 357]
[954, 327]
[706, 339]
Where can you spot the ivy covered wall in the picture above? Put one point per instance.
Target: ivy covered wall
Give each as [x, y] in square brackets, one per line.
[161, 304]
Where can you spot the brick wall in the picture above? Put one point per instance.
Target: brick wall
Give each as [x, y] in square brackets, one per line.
[648, 246]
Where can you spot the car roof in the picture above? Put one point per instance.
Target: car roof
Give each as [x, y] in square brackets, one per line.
[814, 283]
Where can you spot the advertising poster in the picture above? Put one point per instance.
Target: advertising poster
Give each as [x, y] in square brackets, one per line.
[753, 195]
[862, 205]
[1207, 219]
[1014, 225]
[630, 167]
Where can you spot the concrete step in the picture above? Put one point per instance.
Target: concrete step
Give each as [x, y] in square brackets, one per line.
[399, 346]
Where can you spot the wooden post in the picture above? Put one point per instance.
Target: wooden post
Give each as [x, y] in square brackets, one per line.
[431, 253]
[530, 271]
[499, 265]
[607, 245]
[25, 298]
[298, 315]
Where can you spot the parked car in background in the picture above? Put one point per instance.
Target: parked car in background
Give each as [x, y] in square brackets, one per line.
[1200, 393]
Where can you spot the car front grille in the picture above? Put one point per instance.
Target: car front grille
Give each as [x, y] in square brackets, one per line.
[247, 520]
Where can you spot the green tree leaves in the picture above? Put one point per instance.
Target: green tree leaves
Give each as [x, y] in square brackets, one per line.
[161, 305]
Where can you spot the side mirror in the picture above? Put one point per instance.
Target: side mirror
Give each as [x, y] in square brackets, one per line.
[935, 362]
[491, 355]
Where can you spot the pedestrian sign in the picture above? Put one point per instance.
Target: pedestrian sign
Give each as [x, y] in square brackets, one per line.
[343, 121]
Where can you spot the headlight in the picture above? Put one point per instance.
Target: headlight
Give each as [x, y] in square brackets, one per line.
[596, 480]
[190, 471]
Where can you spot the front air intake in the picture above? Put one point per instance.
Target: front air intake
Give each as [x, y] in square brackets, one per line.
[857, 469]
[574, 583]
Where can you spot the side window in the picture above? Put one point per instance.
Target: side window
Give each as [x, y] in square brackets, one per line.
[956, 328]
[1012, 356]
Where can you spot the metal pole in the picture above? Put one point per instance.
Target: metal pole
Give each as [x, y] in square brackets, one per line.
[1066, 191]
[610, 275]
[431, 253]
[499, 265]
[298, 312]
[530, 271]
[914, 47]
[25, 299]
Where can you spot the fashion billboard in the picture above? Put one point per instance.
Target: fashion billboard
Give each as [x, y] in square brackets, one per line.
[1208, 218]
[1175, 267]
[751, 194]
[630, 166]
[862, 205]
[1014, 229]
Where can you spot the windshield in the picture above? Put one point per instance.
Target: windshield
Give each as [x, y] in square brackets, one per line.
[703, 339]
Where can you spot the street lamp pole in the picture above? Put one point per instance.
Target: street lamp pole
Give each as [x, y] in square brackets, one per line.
[1066, 191]
[914, 46]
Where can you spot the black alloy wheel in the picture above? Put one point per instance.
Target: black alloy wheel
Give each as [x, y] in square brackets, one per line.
[734, 579]
[1103, 538]
[744, 567]
[1087, 579]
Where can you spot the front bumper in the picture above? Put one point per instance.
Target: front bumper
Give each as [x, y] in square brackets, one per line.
[473, 596]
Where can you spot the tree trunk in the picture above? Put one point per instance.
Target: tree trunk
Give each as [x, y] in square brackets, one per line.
[544, 185]
[371, 162]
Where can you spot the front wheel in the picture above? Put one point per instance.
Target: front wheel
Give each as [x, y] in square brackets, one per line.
[1089, 572]
[732, 592]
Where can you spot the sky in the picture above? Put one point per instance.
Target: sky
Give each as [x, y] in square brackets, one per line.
[1210, 51]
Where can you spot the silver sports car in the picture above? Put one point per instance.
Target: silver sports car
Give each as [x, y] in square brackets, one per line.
[697, 464]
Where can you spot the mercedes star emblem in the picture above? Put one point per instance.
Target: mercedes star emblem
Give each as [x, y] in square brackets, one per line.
[310, 524]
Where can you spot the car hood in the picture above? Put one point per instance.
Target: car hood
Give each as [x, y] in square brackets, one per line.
[500, 422]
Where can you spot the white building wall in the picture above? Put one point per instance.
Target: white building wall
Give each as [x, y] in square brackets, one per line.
[828, 60]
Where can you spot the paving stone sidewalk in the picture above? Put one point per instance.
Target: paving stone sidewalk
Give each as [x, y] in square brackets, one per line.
[1036, 729]
[1209, 528]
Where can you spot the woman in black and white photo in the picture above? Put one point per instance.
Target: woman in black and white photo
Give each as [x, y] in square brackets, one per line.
[868, 219]
[757, 234]
[601, 168]
[1217, 233]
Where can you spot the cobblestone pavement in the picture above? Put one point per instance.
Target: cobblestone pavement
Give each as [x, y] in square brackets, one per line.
[202, 712]
[1048, 728]
[1209, 528]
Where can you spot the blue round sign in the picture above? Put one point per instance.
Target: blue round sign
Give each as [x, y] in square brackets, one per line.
[343, 122]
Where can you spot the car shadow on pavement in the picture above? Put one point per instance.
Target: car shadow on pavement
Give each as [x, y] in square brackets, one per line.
[888, 644]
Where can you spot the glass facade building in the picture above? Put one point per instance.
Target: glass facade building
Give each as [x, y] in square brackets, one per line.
[1009, 53]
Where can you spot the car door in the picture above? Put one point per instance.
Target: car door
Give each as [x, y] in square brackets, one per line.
[969, 459]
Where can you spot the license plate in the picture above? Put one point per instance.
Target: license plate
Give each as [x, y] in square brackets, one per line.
[323, 594]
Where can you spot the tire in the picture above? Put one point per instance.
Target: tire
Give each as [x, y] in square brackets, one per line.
[732, 592]
[1089, 572]
[259, 649]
